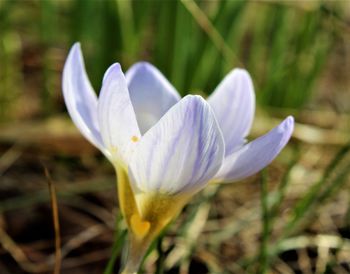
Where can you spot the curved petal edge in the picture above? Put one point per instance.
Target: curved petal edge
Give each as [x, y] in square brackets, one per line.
[233, 102]
[117, 120]
[151, 94]
[80, 98]
[254, 156]
[181, 153]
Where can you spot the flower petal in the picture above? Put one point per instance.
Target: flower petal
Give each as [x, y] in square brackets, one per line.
[233, 102]
[80, 98]
[254, 156]
[116, 115]
[151, 94]
[181, 153]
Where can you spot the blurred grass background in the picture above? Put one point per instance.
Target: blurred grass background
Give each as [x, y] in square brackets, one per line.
[294, 218]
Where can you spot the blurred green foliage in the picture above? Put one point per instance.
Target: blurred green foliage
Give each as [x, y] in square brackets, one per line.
[284, 46]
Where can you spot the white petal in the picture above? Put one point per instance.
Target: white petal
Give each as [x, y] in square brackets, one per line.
[116, 115]
[233, 102]
[181, 153]
[254, 156]
[151, 94]
[80, 98]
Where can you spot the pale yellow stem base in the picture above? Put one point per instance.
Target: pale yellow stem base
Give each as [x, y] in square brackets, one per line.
[146, 215]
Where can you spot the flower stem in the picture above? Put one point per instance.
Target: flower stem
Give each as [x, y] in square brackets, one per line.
[139, 243]
[136, 251]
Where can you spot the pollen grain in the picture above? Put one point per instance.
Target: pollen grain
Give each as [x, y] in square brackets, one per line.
[134, 138]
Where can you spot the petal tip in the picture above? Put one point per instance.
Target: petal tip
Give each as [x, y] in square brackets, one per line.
[290, 119]
[288, 123]
[115, 67]
[240, 72]
[141, 67]
[76, 45]
[112, 70]
[286, 129]
[194, 100]
[194, 97]
[74, 62]
[74, 59]
[75, 51]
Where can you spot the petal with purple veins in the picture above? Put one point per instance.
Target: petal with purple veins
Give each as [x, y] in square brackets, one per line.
[181, 153]
[151, 94]
[116, 115]
[254, 156]
[80, 98]
[233, 102]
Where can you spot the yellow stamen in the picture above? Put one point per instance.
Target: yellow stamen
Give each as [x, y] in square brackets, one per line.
[134, 139]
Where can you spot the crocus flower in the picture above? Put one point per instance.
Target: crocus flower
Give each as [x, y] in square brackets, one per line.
[164, 148]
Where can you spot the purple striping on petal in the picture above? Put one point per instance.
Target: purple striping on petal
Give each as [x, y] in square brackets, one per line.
[182, 151]
[200, 147]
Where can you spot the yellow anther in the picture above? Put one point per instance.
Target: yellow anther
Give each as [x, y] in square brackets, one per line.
[134, 138]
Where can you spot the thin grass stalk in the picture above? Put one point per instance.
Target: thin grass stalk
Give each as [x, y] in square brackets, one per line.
[56, 222]
[327, 186]
[275, 207]
[265, 218]
[161, 256]
[47, 28]
[119, 240]
[204, 22]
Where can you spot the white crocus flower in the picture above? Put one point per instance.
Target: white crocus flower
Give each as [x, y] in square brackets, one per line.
[164, 148]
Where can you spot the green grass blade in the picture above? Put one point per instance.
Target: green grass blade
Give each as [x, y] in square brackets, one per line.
[321, 190]
[266, 226]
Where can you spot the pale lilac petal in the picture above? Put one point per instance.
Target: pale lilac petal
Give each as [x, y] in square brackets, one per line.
[254, 156]
[117, 119]
[80, 98]
[233, 102]
[181, 153]
[151, 94]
